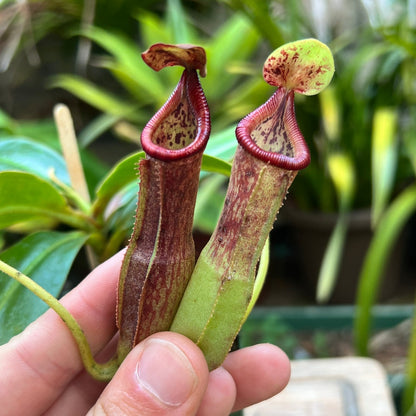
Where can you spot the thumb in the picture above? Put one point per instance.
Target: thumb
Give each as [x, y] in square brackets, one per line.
[166, 374]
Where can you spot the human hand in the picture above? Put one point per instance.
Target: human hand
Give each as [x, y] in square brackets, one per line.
[166, 374]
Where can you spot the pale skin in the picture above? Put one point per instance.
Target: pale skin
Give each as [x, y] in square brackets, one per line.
[41, 372]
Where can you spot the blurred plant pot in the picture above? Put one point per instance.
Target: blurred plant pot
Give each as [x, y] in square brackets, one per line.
[312, 231]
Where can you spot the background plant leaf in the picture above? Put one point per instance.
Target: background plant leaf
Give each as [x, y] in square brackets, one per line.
[44, 132]
[234, 41]
[127, 61]
[96, 128]
[120, 176]
[209, 202]
[342, 173]
[21, 154]
[46, 257]
[222, 144]
[95, 96]
[178, 22]
[387, 231]
[384, 155]
[27, 197]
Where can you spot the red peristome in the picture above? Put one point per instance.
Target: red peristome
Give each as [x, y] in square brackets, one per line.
[291, 151]
[187, 106]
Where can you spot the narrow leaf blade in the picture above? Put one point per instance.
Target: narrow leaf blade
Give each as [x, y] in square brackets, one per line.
[94, 95]
[46, 257]
[386, 234]
[384, 159]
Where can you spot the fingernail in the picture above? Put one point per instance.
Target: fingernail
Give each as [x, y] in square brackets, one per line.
[165, 372]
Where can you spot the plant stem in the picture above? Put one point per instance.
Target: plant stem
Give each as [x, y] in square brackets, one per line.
[103, 372]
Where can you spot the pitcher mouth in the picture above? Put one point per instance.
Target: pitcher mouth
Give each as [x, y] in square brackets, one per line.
[188, 92]
[270, 133]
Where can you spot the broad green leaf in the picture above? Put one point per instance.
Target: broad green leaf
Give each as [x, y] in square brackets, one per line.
[235, 40]
[305, 66]
[44, 132]
[410, 144]
[25, 197]
[121, 175]
[20, 154]
[46, 257]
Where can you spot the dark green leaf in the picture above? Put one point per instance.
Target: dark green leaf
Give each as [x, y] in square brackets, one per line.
[121, 175]
[46, 257]
[26, 197]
